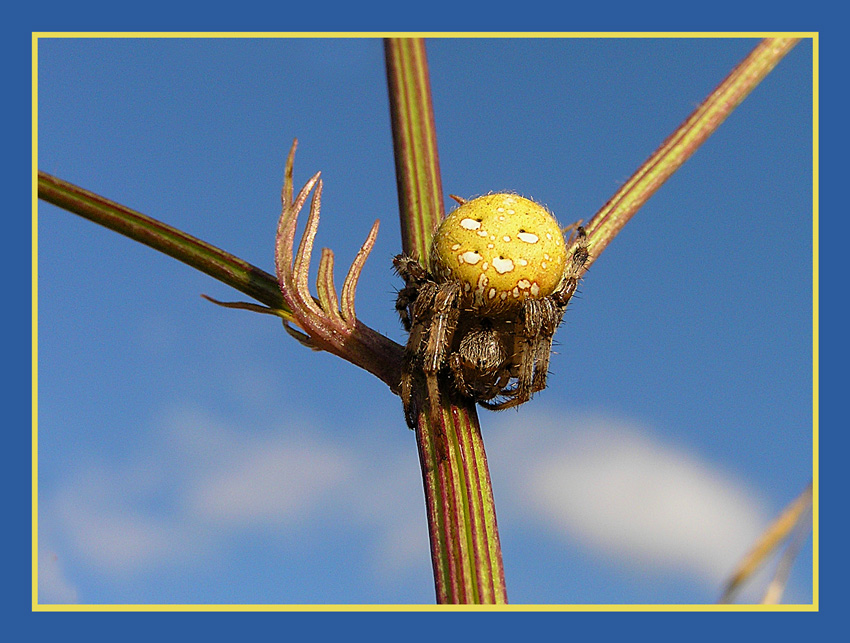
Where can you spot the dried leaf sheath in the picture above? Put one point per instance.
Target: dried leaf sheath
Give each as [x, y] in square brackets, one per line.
[325, 325]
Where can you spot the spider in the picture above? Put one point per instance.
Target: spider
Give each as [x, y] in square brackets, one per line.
[483, 313]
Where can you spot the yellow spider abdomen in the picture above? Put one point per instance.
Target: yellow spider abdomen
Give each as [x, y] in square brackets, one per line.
[503, 248]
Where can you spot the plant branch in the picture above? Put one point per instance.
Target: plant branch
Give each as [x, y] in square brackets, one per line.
[354, 341]
[420, 190]
[215, 262]
[680, 145]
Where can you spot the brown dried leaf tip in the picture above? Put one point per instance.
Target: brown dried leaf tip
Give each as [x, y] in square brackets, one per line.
[328, 323]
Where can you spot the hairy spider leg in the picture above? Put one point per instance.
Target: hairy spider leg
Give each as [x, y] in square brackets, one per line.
[429, 311]
[444, 310]
[414, 276]
[533, 343]
[539, 320]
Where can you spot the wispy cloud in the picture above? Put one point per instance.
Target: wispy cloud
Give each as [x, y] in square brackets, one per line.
[627, 495]
[200, 484]
[53, 586]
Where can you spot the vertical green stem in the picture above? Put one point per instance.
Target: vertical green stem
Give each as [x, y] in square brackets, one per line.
[465, 548]
[420, 190]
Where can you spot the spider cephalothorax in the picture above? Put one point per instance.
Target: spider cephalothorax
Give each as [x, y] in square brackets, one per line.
[482, 314]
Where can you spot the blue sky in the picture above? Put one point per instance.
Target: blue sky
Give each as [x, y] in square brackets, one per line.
[192, 454]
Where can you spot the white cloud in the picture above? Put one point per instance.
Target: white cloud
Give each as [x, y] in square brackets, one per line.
[628, 496]
[269, 481]
[53, 586]
[95, 512]
[201, 484]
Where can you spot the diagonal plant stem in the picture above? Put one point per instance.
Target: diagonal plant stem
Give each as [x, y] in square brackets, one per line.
[351, 339]
[465, 549]
[680, 145]
[215, 262]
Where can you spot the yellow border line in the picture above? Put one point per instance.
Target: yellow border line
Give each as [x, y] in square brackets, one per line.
[34, 320]
[422, 34]
[815, 321]
[426, 608]
[36, 607]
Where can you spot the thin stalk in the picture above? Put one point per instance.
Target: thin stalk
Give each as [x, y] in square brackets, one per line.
[680, 145]
[465, 549]
[205, 257]
[768, 543]
[350, 339]
[420, 189]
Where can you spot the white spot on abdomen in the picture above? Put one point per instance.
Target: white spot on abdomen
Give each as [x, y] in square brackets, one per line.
[470, 224]
[503, 265]
[469, 257]
[528, 237]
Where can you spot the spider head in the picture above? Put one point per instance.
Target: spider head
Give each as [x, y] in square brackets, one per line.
[503, 248]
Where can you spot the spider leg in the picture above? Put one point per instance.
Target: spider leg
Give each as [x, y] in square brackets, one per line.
[407, 389]
[405, 299]
[544, 319]
[414, 276]
[538, 322]
[433, 321]
[440, 335]
[579, 254]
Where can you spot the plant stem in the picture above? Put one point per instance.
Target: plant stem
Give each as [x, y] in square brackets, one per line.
[420, 190]
[465, 549]
[205, 257]
[680, 145]
[363, 346]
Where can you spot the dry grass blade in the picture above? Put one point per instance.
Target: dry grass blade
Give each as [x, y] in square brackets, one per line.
[769, 542]
[776, 588]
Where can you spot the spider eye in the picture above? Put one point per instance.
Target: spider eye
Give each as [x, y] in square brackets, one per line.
[479, 244]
